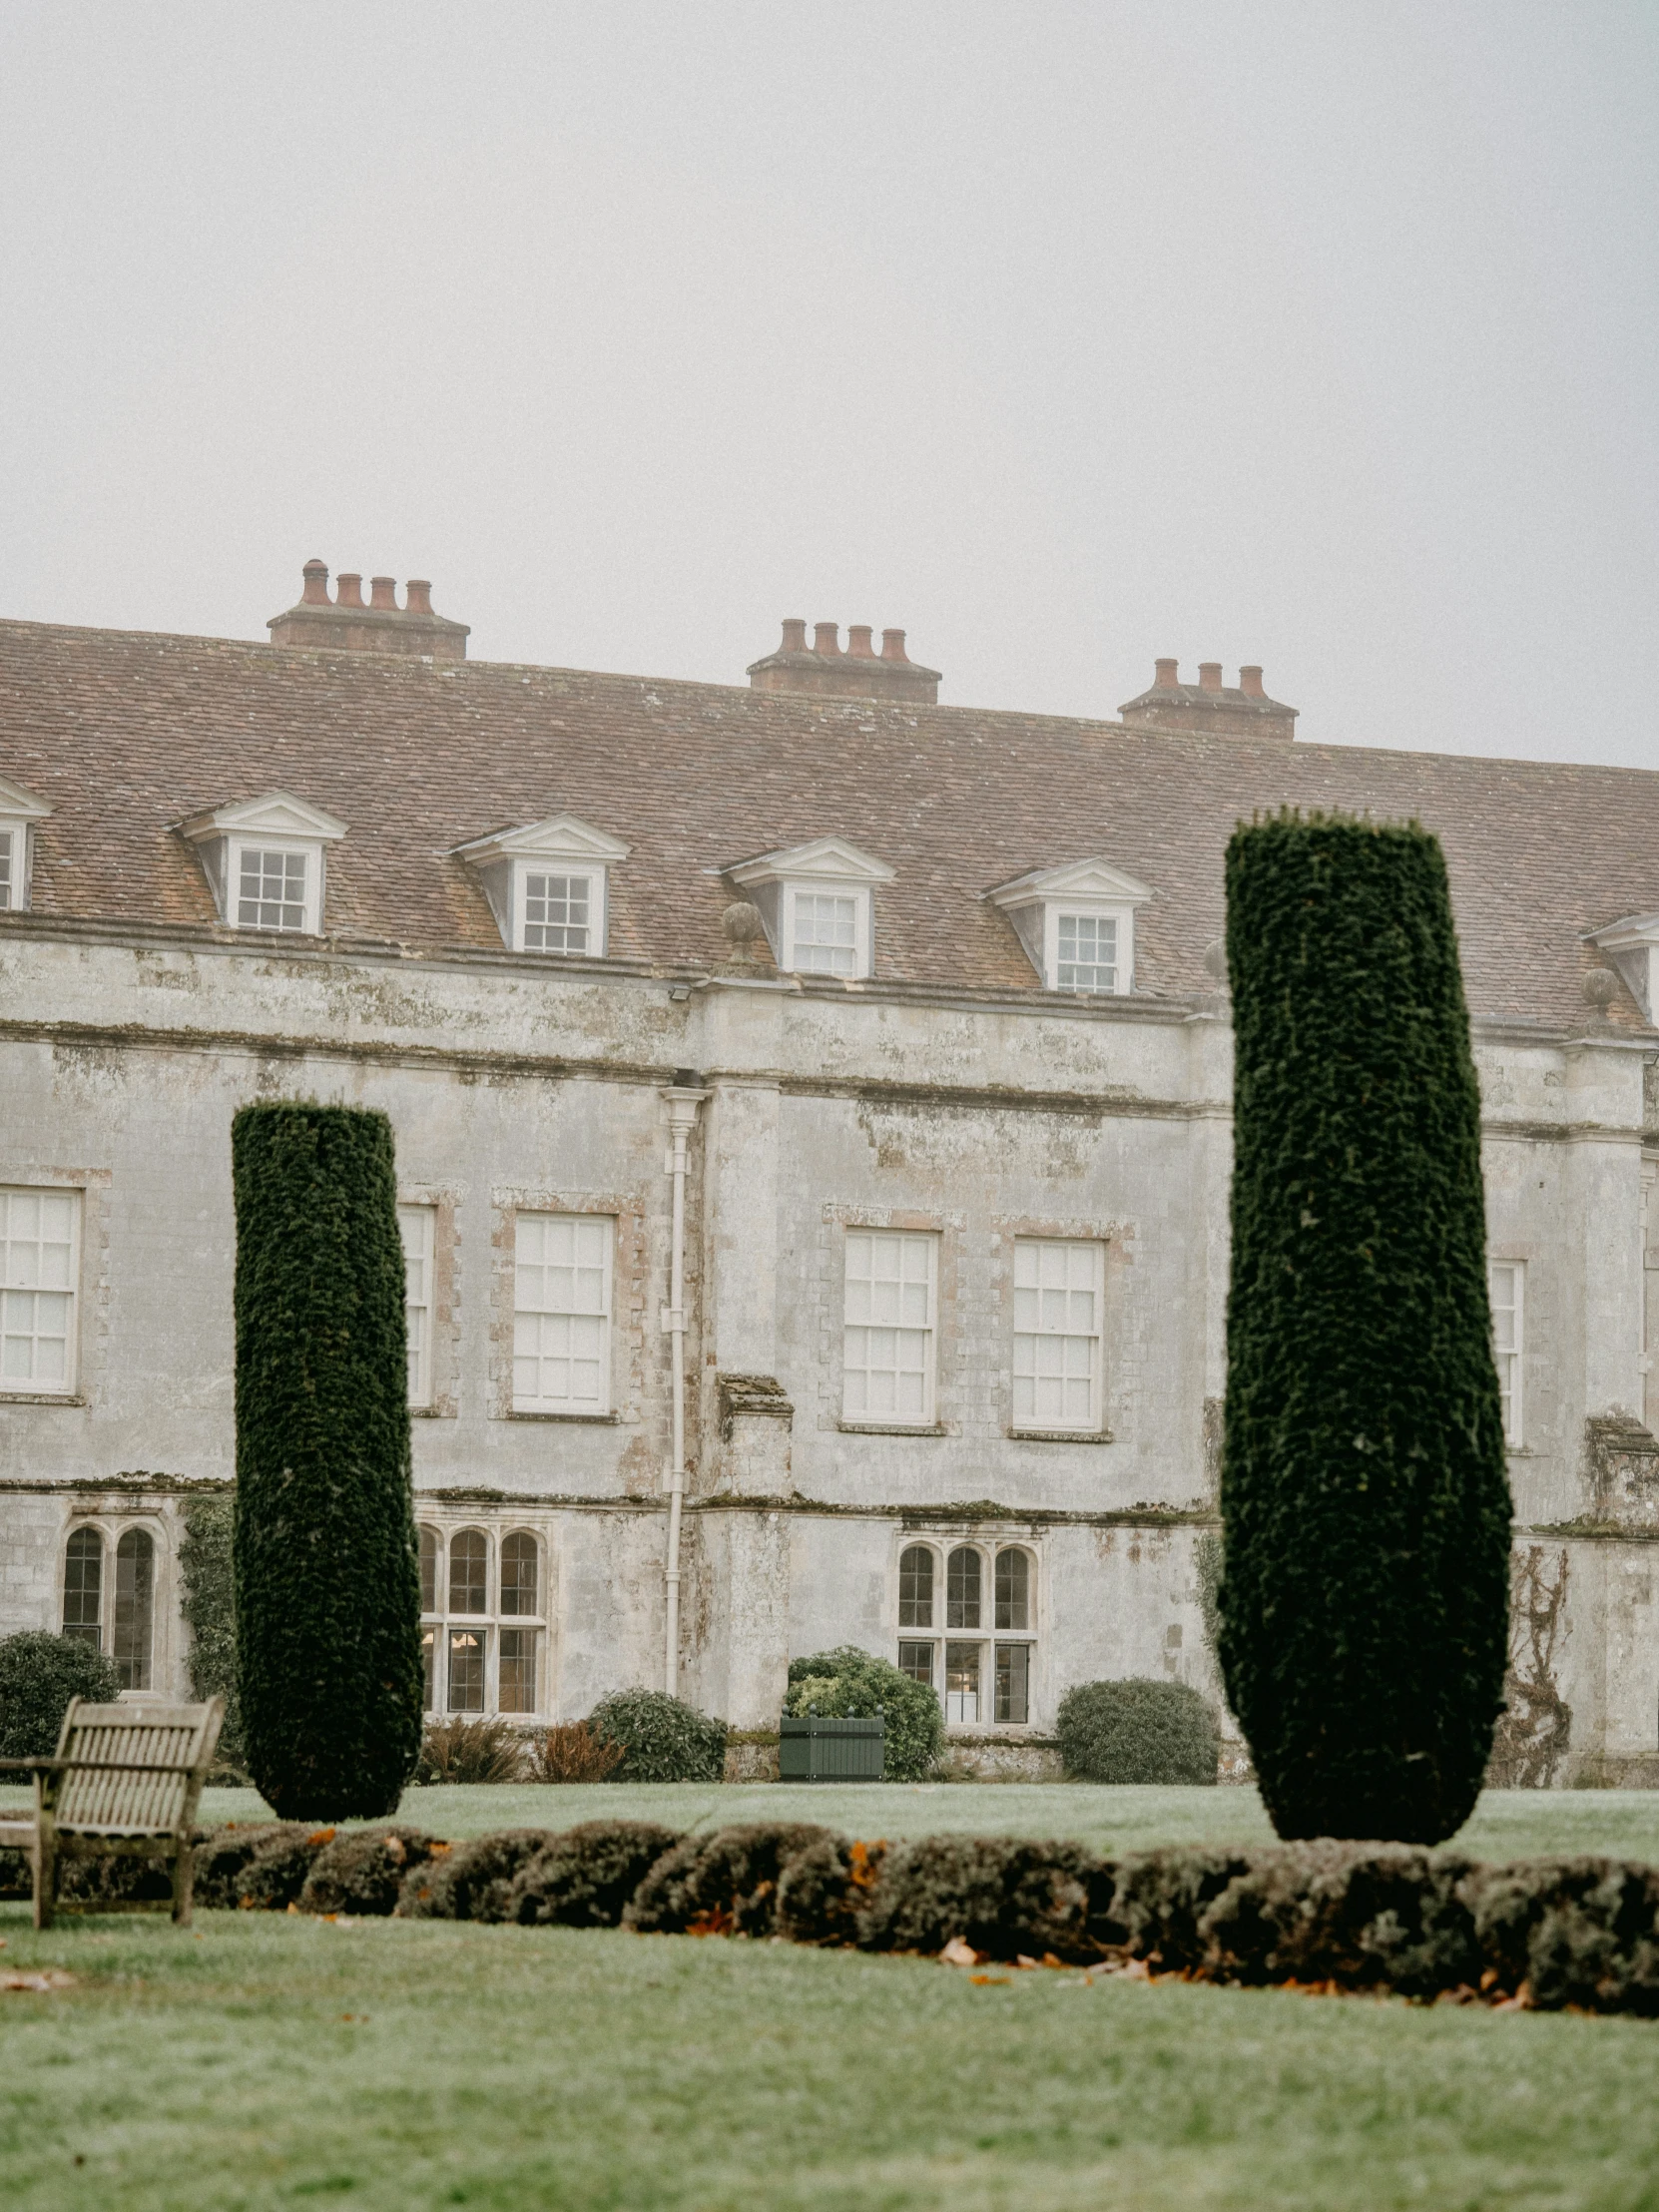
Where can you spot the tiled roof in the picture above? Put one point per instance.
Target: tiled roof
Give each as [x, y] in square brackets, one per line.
[126, 734]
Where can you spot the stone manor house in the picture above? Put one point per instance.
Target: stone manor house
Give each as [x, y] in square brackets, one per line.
[812, 1107]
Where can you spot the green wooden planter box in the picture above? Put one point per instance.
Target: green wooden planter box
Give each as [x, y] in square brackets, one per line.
[818, 1750]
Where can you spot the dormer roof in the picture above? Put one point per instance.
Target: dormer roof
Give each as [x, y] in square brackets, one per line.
[277, 815]
[1091, 879]
[832, 858]
[559, 837]
[16, 805]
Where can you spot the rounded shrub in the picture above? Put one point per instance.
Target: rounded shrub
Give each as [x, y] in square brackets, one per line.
[847, 1684]
[662, 1738]
[328, 1579]
[1364, 1595]
[1138, 1731]
[39, 1674]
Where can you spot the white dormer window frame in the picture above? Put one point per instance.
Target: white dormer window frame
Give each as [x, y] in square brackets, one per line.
[20, 810]
[265, 861]
[1633, 947]
[1077, 925]
[817, 903]
[548, 885]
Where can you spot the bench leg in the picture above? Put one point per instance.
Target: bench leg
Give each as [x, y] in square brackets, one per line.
[46, 1876]
[183, 1883]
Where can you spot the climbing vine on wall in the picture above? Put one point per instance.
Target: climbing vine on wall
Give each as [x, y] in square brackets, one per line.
[210, 1616]
[1536, 1722]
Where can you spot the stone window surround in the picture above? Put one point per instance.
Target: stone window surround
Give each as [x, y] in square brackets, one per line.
[629, 1285]
[112, 1523]
[1527, 1252]
[942, 1540]
[1116, 1238]
[447, 1518]
[443, 1402]
[92, 1289]
[949, 1351]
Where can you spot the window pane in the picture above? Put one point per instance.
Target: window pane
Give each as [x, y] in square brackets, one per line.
[467, 1670]
[1013, 1589]
[135, 1575]
[887, 1341]
[430, 1552]
[468, 1570]
[418, 1225]
[1013, 1682]
[825, 935]
[1506, 1293]
[915, 1587]
[561, 1319]
[9, 877]
[271, 891]
[557, 916]
[917, 1660]
[1057, 1300]
[961, 1589]
[1087, 953]
[518, 1671]
[83, 1588]
[961, 1682]
[428, 1647]
[518, 1578]
[37, 1282]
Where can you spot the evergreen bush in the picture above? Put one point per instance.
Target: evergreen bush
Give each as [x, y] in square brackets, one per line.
[1365, 1593]
[587, 1877]
[1138, 1730]
[255, 1866]
[662, 1738]
[39, 1674]
[824, 1890]
[209, 1608]
[473, 1881]
[1006, 1898]
[721, 1885]
[363, 1870]
[850, 1684]
[328, 1585]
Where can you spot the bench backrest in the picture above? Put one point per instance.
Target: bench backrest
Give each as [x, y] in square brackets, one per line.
[178, 1739]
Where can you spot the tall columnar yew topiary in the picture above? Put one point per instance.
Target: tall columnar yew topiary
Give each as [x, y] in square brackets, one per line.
[327, 1582]
[1364, 1595]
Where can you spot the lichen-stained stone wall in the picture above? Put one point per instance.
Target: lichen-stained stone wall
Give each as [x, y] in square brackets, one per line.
[511, 1083]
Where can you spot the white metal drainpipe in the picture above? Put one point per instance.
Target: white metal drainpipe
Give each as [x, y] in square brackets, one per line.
[684, 1098]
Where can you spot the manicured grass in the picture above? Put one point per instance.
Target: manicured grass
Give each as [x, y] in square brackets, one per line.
[267, 2061]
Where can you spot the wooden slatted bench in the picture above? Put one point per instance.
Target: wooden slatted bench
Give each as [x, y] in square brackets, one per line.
[125, 1782]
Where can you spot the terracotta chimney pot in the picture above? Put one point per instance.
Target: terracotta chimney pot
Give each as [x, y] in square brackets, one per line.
[1209, 675]
[382, 592]
[893, 646]
[1166, 675]
[1249, 682]
[417, 595]
[858, 640]
[316, 593]
[349, 591]
[795, 637]
[824, 639]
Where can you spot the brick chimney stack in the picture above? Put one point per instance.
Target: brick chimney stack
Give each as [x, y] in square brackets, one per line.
[1209, 707]
[344, 624]
[822, 670]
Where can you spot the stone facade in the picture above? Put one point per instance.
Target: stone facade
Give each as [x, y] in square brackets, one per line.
[976, 1113]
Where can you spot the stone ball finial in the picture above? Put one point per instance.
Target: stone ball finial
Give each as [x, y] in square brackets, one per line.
[1215, 960]
[741, 923]
[1600, 987]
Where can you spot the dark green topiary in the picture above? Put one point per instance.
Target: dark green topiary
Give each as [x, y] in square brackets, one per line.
[39, 1674]
[473, 1881]
[1005, 1897]
[663, 1739]
[587, 1877]
[1364, 1596]
[328, 1585]
[1137, 1730]
[721, 1885]
[363, 1870]
[850, 1684]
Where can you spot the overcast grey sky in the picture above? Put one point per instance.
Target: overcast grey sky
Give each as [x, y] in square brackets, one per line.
[1060, 335]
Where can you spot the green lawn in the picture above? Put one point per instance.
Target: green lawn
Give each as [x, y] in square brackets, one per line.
[266, 2060]
[269, 2061]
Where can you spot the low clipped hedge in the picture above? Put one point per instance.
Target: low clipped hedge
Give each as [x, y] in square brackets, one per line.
[1546, 1934]
[661, 1737]
[39, 1674]
[850, 1684]
[1138, 1730]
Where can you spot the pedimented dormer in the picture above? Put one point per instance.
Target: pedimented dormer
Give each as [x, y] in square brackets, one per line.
[19, 812]
[1077, 925]
[817, 905]
[263, 861]
[548, 884]
[1633, 947]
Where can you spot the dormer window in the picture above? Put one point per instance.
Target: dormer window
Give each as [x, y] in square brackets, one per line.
[1077, 925]
[263, 861]
[817, 902]
[19, 812]
[547, 883]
